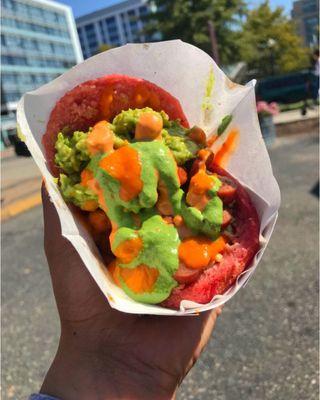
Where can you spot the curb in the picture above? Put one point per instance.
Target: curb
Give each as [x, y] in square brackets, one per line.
[298, 127]
[20, 206]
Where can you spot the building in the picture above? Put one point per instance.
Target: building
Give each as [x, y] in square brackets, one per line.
[39, 41]
[115, 25]
[305, 14]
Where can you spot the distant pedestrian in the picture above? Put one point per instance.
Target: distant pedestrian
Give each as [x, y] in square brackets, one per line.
[315, 73]
[312, 82]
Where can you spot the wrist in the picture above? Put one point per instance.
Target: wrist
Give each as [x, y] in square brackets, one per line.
[104, 373]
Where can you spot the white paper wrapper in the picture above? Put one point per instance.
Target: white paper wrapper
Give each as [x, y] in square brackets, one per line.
[183, 70]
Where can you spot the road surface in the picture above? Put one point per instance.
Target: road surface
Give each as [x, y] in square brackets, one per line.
[266, 341]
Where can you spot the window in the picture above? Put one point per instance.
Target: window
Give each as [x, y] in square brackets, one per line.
[3, 41]
[35, 12]
[10, 60]
[9, 4]
[133, 25]
[311, 29]
[114, 39]
[9, 78]
[102, 31]
[34, 27]
[11, 97]
[111, 21]
[309, 7]
[111, 25]
[62, 19]
[22, 8]
[143, 10]
[89, 28]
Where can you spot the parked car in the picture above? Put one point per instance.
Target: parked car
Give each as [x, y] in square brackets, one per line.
[20, 147]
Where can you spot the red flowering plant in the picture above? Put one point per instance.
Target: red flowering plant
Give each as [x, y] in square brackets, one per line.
[265, 109]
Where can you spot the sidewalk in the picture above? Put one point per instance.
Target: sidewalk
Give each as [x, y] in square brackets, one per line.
[20, 184]
[295, 115]
[292, 122]
[7, 153]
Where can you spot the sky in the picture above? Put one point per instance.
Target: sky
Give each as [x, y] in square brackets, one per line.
[81, 7]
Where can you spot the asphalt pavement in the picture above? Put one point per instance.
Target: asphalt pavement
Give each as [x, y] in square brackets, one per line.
[20, 184]
[265, 345]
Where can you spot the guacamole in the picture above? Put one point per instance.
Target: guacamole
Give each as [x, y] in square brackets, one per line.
[131, 169]
[72, 154]
[159, 250]
[209, 219]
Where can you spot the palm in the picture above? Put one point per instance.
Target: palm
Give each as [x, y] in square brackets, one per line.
[167, 344]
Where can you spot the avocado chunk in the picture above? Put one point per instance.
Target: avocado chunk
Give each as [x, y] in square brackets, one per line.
[76, 193]
[72, 154]
[124, 123]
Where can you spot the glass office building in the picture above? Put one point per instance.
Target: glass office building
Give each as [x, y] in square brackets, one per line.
[305, 14]
[115, 25]
[39, 41]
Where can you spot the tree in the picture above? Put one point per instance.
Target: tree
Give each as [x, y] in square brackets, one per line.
[269, 43]
[188, 20]
[103, 47]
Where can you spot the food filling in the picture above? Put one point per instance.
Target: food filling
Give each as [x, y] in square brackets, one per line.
[143, 183]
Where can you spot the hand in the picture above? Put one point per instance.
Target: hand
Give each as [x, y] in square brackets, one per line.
[106, 354]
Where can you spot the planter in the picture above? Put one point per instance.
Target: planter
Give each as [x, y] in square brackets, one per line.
[268, 129]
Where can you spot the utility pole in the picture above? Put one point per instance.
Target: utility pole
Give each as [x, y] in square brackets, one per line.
[214, 44]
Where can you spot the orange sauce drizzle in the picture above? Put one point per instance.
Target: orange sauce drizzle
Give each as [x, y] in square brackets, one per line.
[100, 138]
[124, 165]
[211, 140]
[200, 183]
[88, 180]
[140, 279]
[128, 250]
[229, 146]
[194, 252]
[197, 252]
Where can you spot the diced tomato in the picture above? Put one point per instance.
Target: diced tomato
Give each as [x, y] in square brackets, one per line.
[195, 167]
[209, 160]
[168, 220]
[99, 221]
[227, 193]
[186, 275]
[226, 219]
[197, 135]
[182, 175]
[149, 126]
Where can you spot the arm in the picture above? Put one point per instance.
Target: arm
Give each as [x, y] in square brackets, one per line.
[106, 354]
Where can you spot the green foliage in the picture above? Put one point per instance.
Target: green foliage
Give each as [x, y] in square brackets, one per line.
[269, 43]
[104, 47]
[188, 20]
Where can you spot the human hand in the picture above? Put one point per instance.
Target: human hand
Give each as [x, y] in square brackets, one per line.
[106, 354]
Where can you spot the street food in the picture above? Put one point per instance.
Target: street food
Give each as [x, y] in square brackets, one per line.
[174, 224]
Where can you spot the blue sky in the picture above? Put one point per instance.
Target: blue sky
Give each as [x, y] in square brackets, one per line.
[81, 7]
